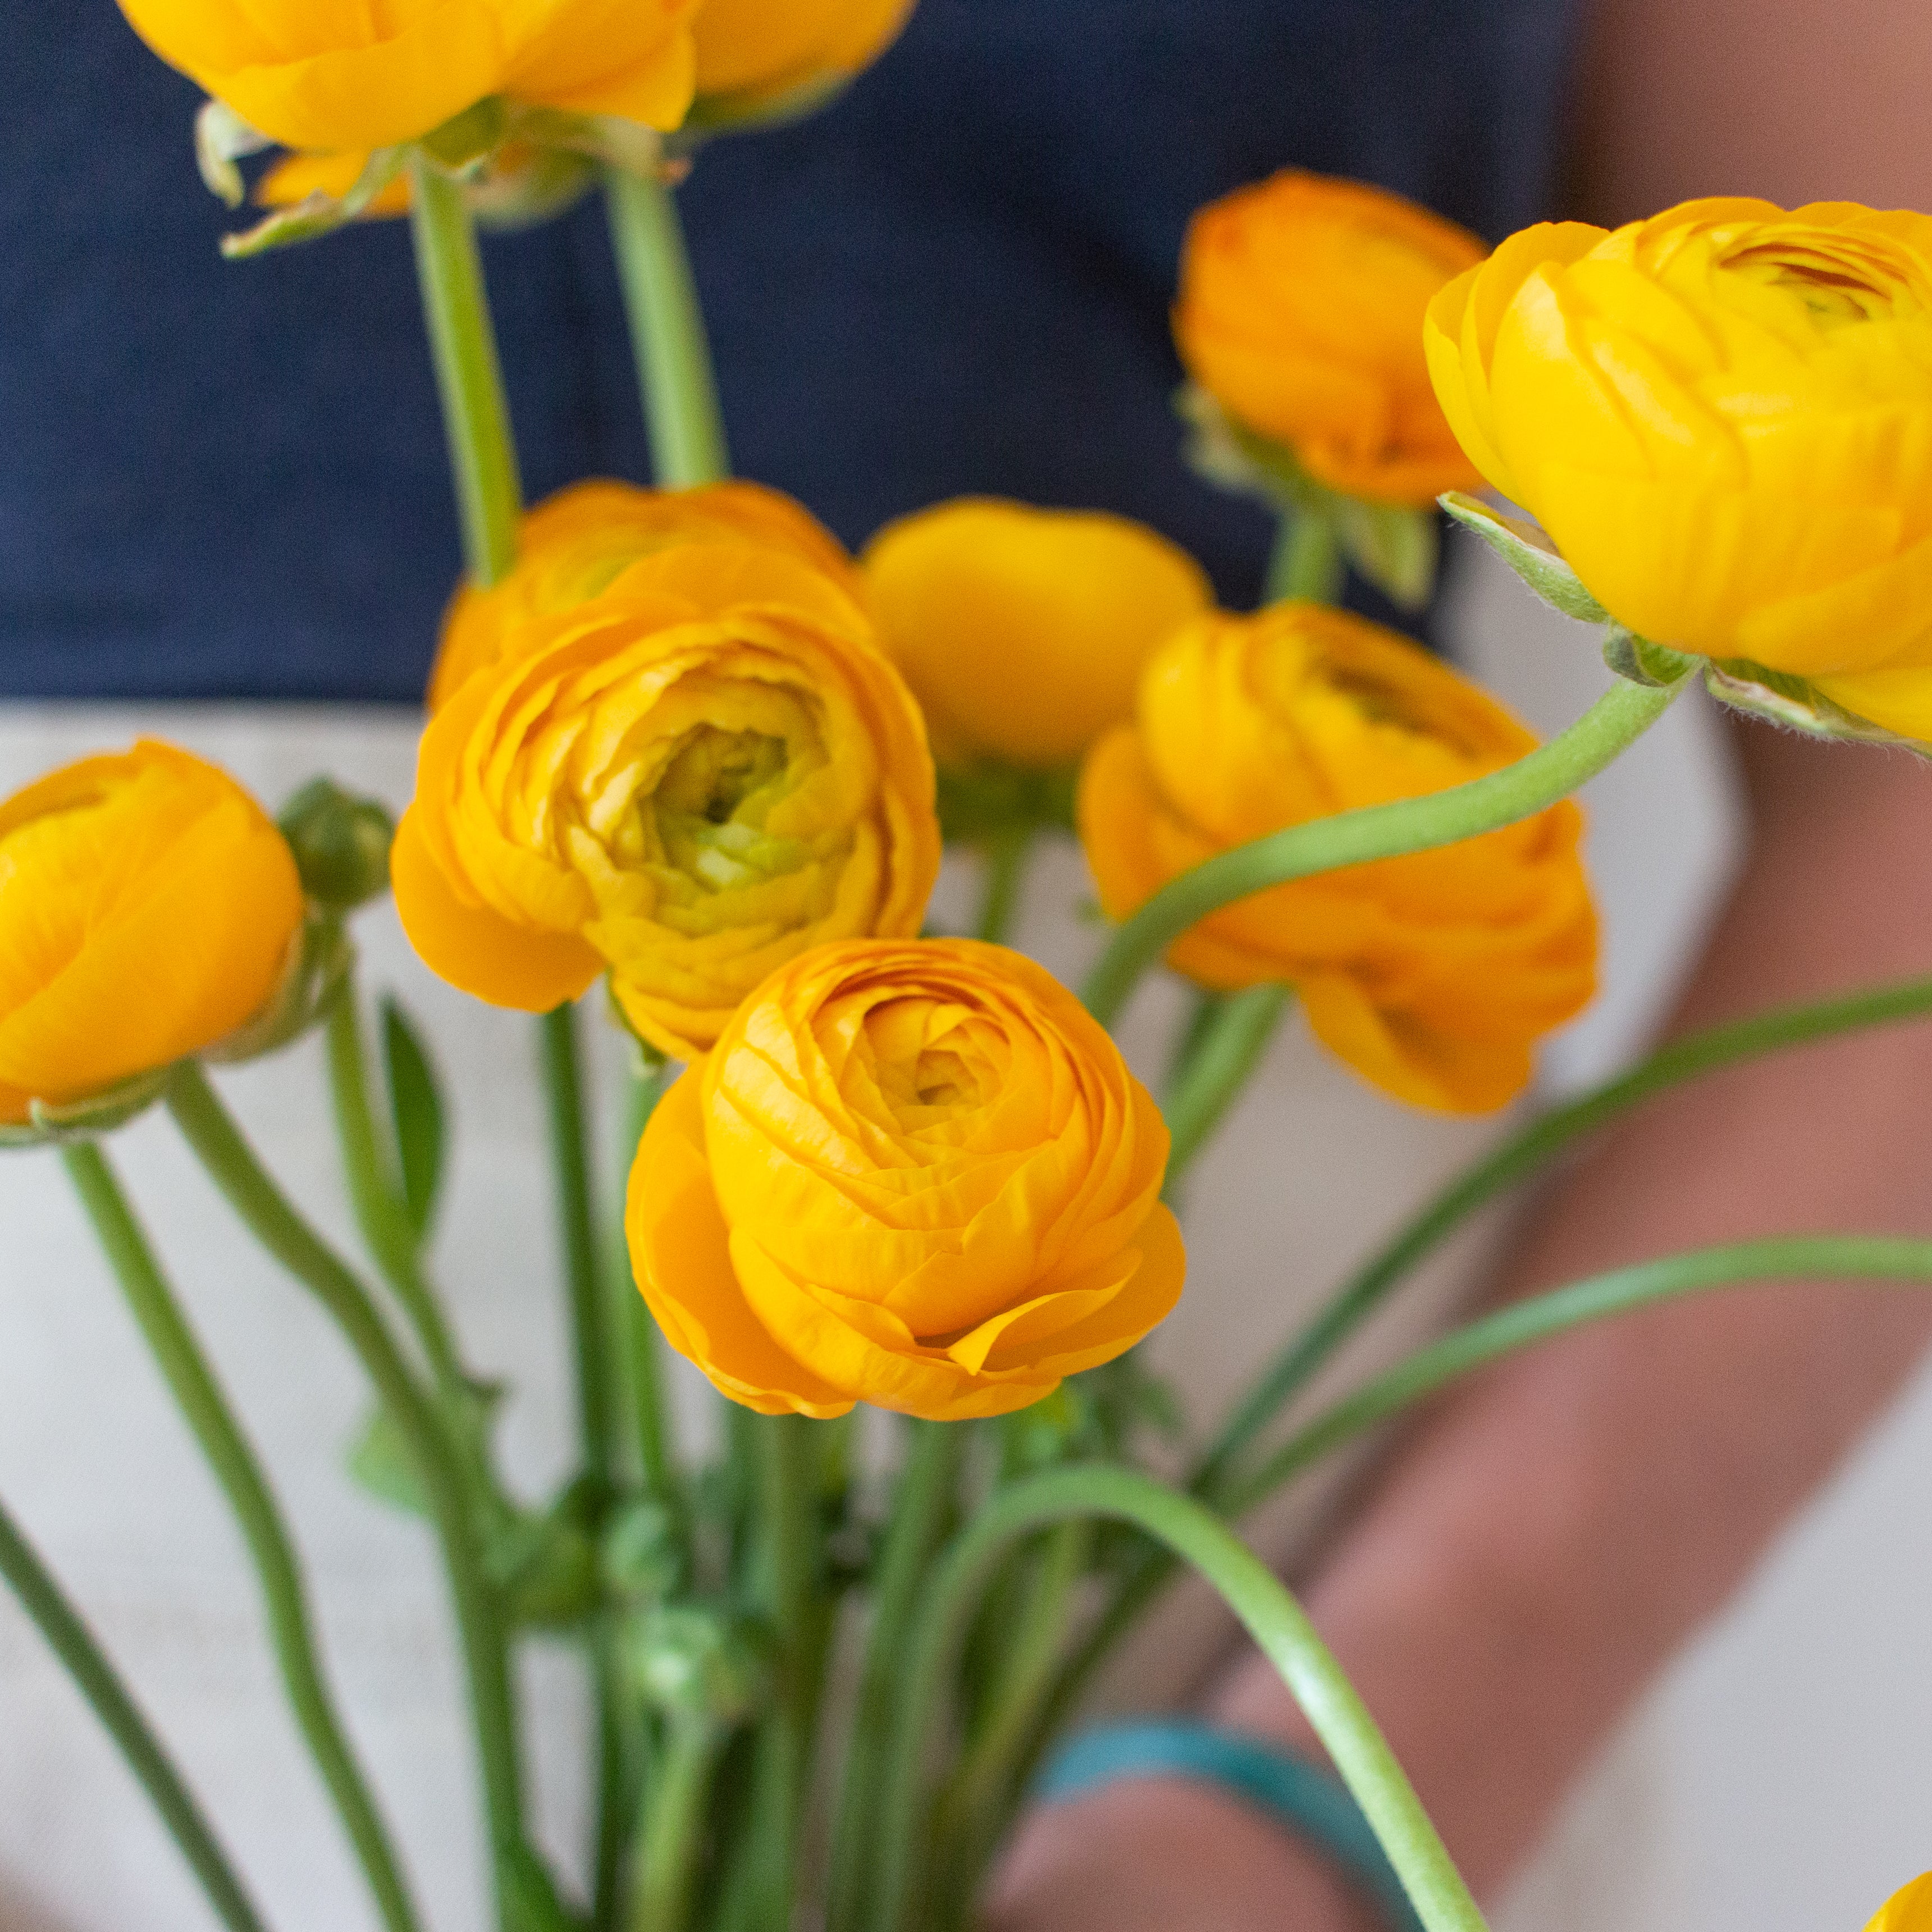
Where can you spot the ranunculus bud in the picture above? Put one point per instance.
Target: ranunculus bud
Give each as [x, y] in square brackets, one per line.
[917, 1175]
[341, 844]
[1022, 632]
[1433, 975]
[329, 77]
[689, 778]
[1722, 416]
[148, 909]
[574, 545]
[1300, 313]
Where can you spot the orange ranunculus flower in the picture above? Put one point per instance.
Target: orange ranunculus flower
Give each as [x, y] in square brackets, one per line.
[918, 1175]
[1908, 1910]
[574, 545]
[148, 908]
[762, 49]
[689, 779]
[1022, 632]
[1301, 312]
[332, 75]
[1433, 974]
[1723, 416]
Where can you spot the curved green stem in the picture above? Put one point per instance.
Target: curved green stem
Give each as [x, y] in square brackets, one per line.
[1736, 1264]
[284, 1595]
[378, 1211]
[642, 1353]
[1525, 1152]
[71, 1640]
[674, 371]
[671, 1831]
[1266, 1610]
[570, 1164]
[231, 1164]
[921, 1510]
[1210, 1079]
[1306, 560]
[469, 376]
[1617, 719]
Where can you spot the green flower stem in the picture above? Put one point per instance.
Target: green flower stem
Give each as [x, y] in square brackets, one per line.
[981, 1797]
[482, 455]
[680, 393]
[71, 1640]
[642, 1353]
[921, 1512]
[284, 1594]
[1004, 856]
[1787, 1258]
[1210, 1079]
[670, 1831]
[378, 1211]
[1306, 560]
[231, 1164]
[1615, 720]
[1267, 1610]
[576, 1229]
[1526, 1152]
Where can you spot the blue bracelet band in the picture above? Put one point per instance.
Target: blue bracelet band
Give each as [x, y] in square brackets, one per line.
[1289, 1789]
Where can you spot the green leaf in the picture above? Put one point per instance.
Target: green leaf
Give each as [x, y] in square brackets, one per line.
[221, 138]
[1528, 552]
[318, 213]
[1392, 547]
[529, 1894]
[415, 1107]
[58, 1123]
[1796, 703]
[1637, 660]
[380, 1464]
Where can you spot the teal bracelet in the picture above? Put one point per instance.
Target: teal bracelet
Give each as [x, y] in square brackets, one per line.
[1287, 1790]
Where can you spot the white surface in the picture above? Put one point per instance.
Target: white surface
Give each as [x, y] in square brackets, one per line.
[1779, 1782]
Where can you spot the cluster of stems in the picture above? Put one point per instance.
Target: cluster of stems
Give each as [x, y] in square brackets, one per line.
[976, 1630]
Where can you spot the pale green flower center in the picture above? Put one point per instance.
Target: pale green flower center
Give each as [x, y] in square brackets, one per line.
[711, 805]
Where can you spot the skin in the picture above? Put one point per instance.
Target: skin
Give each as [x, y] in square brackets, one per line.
[1539, 1546]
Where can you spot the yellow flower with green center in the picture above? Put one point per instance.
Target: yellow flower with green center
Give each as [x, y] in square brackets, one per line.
[1722, 416]
[687, 781]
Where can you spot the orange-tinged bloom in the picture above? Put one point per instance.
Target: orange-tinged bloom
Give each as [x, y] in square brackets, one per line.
[1022, 632]
[333, 75]
[762, 49]
[1300, 312]
[918, 1175]
[574, 545]
[1909, 1910]
[1433, 974]
[1722, 416]
[148, 907]
[688, 779]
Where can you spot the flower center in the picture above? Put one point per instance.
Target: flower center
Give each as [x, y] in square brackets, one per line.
[711, 805]
[1836, 290]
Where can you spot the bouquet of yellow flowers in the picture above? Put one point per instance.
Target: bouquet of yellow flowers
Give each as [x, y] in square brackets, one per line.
[682, 746]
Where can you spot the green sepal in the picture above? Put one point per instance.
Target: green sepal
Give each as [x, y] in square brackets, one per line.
[1529, 552]
[341, 844]
[317, 214]
[1637, 660]
[416, 1112]
[547, 1565]
[1796, 703]
[1396, 547]
[702, 1661]
[54, 1124]
[320, 958]
[380, 1464]
[467, 139]
[985, 800]
[751, 110]
[641, 1554]
[221, 139]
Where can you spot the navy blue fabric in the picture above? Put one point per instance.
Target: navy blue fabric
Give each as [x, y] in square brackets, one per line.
[223, 479]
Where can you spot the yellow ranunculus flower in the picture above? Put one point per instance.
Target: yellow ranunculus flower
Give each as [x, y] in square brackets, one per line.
[1300, 312]
[1433, 974]
[574, 545]
[1022, 632]
[1908, 1910]
[761, 49]
[688, 779]
[918, 1175]
[148, 906]
[342, 74]
[1722, 416]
